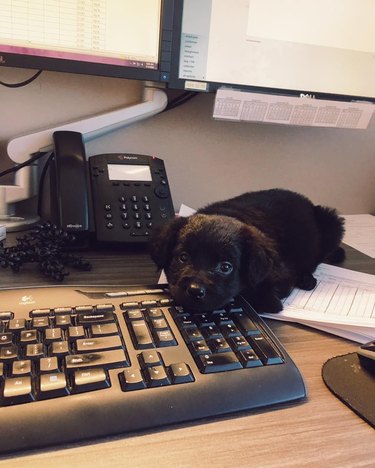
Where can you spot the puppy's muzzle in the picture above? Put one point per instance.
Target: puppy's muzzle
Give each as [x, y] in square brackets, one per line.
[196, 291]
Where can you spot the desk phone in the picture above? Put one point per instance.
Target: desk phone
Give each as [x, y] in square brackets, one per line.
[112, 198]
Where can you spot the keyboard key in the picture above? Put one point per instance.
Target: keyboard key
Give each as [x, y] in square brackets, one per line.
[156, 376]
[249, 358]
[131, 379]
[6, 315]
[238, 343]
[159, 323]
[192, 334]
[219, 362]
[246, 325]
[8, 353]
[48, 364]
[155, 313]
[52, 334]
[104, 329]
[106, 359]
[180, 373]
[105, 307]
[90, 379]
[40, 322]
[150, 358]
[63, 321]
[204, 319]
[17, 390]
[40, 312]
[219, 345]
[28, 337]
[76, 332]
[63, 310]
[98, 344]
[84, 309]
[134, 314]
[21, 368]
[141, 334]
[185, 321]
[211, 332]
[229, 330]
[200, 347]
[221, 318]
[16, 325]
[52, 385]
[267, 353]
[6, 339]
[165, 338]
[59, 348]
[35, 351]
[87, 319]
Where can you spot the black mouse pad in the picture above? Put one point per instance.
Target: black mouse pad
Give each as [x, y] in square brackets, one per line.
[352, 384]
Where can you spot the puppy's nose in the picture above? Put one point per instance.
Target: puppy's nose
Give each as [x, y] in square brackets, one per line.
[196, 291]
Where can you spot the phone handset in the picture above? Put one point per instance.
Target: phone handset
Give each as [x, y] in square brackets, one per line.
[69, 182]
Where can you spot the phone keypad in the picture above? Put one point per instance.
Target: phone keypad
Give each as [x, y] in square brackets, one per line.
[127, 210]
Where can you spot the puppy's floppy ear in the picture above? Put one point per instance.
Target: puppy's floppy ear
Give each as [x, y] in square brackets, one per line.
[258, 255]
[163, 241]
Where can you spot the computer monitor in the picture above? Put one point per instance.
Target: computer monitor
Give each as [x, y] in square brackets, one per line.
[117, 38]
[323, 49]
[113, 38]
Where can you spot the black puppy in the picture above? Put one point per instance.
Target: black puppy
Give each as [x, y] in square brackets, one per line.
[260, 244]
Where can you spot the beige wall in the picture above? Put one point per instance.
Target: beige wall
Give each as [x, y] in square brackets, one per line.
[206, 159]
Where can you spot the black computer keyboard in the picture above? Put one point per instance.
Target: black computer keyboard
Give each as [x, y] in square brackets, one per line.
[84, 362]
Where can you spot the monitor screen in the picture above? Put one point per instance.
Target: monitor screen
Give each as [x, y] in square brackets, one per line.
[317, 47]
[119, 38]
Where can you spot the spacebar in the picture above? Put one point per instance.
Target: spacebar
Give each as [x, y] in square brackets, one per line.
[107, 359]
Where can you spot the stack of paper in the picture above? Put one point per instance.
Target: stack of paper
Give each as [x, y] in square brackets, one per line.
[343, 303]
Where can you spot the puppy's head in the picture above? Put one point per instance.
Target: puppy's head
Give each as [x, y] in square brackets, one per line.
[209, 259]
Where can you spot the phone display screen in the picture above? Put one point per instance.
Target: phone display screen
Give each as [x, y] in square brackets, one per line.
[129, 172]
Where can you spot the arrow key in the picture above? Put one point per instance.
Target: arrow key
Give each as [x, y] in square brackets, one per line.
[180, 373]
[156, 376]
[131, 379]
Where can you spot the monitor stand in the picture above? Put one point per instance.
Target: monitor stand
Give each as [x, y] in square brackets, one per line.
[24, 187]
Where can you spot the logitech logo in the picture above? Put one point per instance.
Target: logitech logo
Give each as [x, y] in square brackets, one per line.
[25, 300]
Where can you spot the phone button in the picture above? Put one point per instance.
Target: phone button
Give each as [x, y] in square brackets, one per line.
[161, 192]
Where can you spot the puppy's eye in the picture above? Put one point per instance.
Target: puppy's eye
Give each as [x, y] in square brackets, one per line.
[183, 257]
[225, 267]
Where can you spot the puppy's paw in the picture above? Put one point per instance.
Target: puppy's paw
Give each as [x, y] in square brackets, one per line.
[306, 282]
[268, 303]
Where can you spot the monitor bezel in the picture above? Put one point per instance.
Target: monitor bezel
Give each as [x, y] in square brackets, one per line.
[161, 74]
[210, 86]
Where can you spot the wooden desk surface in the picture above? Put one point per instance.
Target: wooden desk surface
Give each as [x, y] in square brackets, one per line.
[320, 431]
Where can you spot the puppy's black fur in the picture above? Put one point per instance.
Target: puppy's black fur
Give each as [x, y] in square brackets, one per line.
[260, 244]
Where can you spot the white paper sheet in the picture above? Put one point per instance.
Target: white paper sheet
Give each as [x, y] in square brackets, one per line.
[342, 301]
